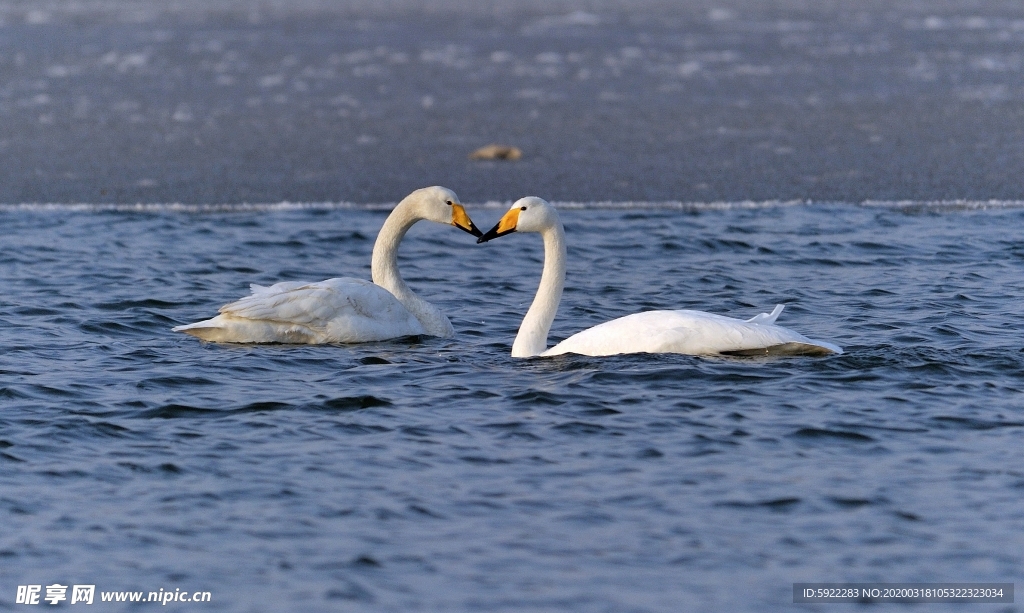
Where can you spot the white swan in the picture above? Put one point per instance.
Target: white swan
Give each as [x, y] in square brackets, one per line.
[689, 332]
[345, 310]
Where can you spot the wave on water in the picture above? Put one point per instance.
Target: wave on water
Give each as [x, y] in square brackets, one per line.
[177, 207]
[948, 205]
[932, 205]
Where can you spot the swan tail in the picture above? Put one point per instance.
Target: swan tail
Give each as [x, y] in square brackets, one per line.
[207, 330]
[767, 318]
[186, 327]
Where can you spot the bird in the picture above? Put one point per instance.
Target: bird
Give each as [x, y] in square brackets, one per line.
[680, 331]
[345, 310]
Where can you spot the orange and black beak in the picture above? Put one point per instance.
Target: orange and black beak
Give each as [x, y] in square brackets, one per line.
[506, 225]
[462, 221]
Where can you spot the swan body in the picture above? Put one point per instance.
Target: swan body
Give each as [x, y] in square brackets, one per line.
[683, 331]
[332, 311]
[689, 332]
[345, 310]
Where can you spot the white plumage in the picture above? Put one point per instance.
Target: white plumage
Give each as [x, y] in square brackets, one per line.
[333, 311]
[683, 331]
[344, 310]
[690, 332]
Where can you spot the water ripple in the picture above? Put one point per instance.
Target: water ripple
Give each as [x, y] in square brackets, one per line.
[430, 466]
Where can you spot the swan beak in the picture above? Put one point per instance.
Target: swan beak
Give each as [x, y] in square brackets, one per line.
[506, 225]
[462, 221]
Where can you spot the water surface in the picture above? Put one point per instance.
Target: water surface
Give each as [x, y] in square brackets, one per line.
[440, 474]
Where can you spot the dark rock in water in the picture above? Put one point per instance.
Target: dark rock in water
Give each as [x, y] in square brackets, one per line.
[497, 152]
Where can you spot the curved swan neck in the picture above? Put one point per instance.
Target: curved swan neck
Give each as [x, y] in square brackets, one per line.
[533, 332]
[384, 269]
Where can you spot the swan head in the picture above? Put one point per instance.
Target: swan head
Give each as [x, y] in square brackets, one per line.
[441, 205]
[529, 214]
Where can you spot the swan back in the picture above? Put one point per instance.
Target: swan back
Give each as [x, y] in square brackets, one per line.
[692, 333]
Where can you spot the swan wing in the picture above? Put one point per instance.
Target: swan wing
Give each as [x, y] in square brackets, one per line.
[340, 310]
[688, 332]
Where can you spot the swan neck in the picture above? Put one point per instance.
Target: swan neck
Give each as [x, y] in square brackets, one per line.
[384, 269]
[532, 339]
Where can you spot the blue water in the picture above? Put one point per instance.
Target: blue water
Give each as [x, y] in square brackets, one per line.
[442, 475]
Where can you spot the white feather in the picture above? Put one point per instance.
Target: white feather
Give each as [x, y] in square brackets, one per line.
[343, 310]
[687, 332]
[336, 310]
